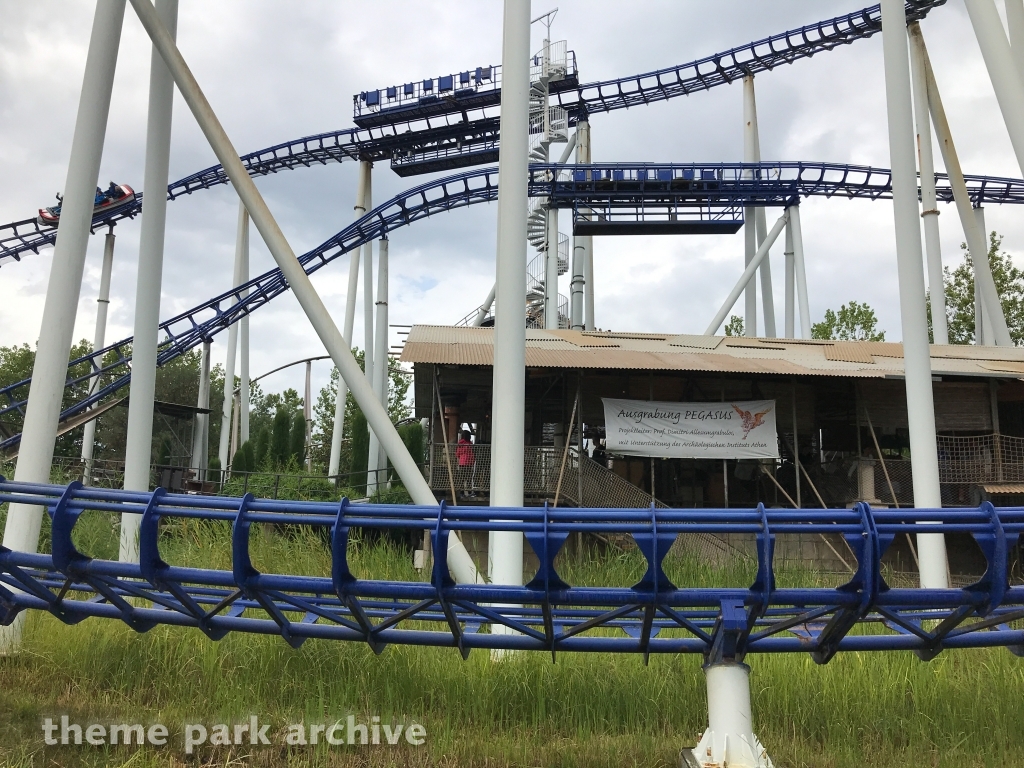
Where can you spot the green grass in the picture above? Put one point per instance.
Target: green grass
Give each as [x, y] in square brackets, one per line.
[962, 709]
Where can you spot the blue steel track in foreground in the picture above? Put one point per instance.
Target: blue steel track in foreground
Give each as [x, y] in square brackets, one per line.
[475, 141]
[648, 191]
[651, 616]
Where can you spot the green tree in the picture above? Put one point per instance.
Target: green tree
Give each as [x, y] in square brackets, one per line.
[399, 408]
[360, 450]
[735, 326]
[297, 439]
[853, 322]
[959, 287]
[279, 439]
[262, 447]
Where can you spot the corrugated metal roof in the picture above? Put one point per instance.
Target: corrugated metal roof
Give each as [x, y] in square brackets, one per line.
[448, 345]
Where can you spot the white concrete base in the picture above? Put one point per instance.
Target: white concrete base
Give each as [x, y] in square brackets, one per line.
[729, 741]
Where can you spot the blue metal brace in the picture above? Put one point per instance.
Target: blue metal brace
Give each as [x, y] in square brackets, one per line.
[343, 579]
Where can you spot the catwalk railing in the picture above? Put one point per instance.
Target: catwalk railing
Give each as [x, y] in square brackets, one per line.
[653, 615]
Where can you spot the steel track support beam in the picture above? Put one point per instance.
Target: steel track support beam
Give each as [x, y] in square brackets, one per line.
[729, 739]
[790, 287]
[481, 313]
[748, 275]
[583, 157]
[201, 428]
[380, 352]
[929, 206]
[98, 340]
[369, 346]
[1006, 78]
[799, 267]
[362, 203]
[752, 136]
[909, 260]
[460, 562]
[977, 243]
[505, 548]
[139, 444]
[227, 417]
[244, 388]
[551, 271]
[49, 371]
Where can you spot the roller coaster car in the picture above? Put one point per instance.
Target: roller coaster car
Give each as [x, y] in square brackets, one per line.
[115, 196]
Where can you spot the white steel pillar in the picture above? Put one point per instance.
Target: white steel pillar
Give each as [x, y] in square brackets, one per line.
[790, 318]
[748, 275]
[350, 316]
[307, 415]
[139, 445]
[241, 244]
[929, 206]
[244, 393]
[583, 157]
[369, 346]
[801, 271]
[201, 433]
[767, 293]
[98, 340]
[984, 328]
[481, 313]
[909, 260]
[380, 372]
[380, 352]
[977, 243]
[49, 372]
[1015, 23]
[729, 739]
[505, 549]
[1002, 69]
[551, 272]
[460, 563]
[749, 216]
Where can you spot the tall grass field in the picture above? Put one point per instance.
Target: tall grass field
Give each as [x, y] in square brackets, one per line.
[965, 708]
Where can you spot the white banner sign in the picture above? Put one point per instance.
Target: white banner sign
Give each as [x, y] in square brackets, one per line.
[729, 430]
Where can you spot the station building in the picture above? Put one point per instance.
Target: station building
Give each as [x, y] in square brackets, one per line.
[840, 411]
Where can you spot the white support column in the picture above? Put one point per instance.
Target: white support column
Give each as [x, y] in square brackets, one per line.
[748, 275]
[224, 452]
[505, 549]
[909, 259]
[801, 272]
[98, 341]
[139, 443]
[729, 739]
[369, 367]
[380, 361]
[245, 394]
[50, 370]
[459, 561]
[350, 317]
[579, 258]
[1015, 23]
[790, 318]
[977, 243]
[583, 157]
[307, 415]
[1007, 80]
[929, 206]
[551, 272]
[749, 216]
[984, 328]
[380, 354]
[201, 433]
[767, 292]
[481, 313]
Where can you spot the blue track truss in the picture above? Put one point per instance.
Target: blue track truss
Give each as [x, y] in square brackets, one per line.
[547, 614]
[455, 136]
[708, 194]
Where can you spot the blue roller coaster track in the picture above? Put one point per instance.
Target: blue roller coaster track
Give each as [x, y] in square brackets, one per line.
[635, 196]
[449, 137]
[547, 614]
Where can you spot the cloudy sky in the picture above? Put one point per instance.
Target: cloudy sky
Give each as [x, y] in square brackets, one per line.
[277, 70]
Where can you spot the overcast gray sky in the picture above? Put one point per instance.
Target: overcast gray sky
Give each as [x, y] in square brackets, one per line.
[276, 70]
